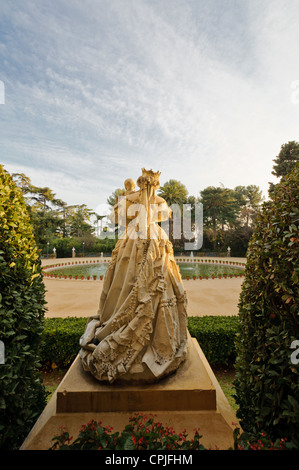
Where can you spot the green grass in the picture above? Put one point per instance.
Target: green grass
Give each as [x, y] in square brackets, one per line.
[225, 377]
[51, 380]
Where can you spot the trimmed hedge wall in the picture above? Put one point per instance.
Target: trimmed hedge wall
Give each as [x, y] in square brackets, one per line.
[215, 334]
[60, 341]
[216, 337]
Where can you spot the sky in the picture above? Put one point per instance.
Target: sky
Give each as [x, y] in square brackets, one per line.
[93, 91]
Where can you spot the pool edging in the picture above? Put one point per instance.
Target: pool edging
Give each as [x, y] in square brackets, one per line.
[182, 259]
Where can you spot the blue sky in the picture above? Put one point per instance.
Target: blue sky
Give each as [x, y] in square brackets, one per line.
[203, 91]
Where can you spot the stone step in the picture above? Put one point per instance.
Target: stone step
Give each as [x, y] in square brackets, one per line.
[189, 388]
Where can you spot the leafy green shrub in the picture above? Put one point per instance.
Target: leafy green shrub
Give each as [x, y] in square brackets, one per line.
[60, 340]
[22, 395]
[245, 441]
[267, 385]
[216, 337]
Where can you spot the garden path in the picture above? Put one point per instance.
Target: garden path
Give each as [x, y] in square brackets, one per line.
[81, 297]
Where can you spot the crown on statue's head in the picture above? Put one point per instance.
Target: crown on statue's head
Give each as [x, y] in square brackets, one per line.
[151, 173]
[149, 177]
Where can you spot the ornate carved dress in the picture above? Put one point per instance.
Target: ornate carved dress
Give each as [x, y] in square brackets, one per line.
[140, 331]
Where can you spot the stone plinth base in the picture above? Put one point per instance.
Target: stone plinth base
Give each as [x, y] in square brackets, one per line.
[190, 398]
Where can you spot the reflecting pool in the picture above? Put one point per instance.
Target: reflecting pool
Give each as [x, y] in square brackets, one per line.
[187, 269]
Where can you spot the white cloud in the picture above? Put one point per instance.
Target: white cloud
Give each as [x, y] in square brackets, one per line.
[96, 90]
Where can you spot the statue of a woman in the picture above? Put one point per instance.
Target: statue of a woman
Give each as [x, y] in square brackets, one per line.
[140, 331]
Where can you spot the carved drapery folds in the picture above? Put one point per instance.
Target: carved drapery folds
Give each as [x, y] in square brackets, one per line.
[140, 331]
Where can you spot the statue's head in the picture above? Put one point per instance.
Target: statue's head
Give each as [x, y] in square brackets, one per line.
[149, 177]
[130, 184]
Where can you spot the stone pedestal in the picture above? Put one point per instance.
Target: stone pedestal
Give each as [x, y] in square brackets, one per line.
[190, 398]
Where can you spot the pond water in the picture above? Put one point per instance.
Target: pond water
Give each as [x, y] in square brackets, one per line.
[186, 269]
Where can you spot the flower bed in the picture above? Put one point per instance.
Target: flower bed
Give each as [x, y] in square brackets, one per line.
[142, 433]
[147, 433]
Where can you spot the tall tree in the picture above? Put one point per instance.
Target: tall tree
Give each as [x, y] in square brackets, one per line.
[79, 221]
[45, 225]
[286, 160]
[249, 199]
[174, 192]
[65, 217]
[42, 215]
[112, 200]
[23, 182]
[249, 195]
[220, 208]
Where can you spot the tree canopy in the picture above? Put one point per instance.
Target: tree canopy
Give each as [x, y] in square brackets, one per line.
[229, 215]
[174, 192]
[112, 200]
[286, 160]
[51, 216]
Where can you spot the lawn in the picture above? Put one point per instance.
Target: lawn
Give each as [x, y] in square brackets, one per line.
[225, 377]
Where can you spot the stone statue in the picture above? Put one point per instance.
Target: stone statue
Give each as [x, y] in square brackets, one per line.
[140, 331]
[130, 186]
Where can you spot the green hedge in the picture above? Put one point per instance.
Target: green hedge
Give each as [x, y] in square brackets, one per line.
[60, 340]
[216, 337]
[22, 307]
[215, 334]
[267, 381]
